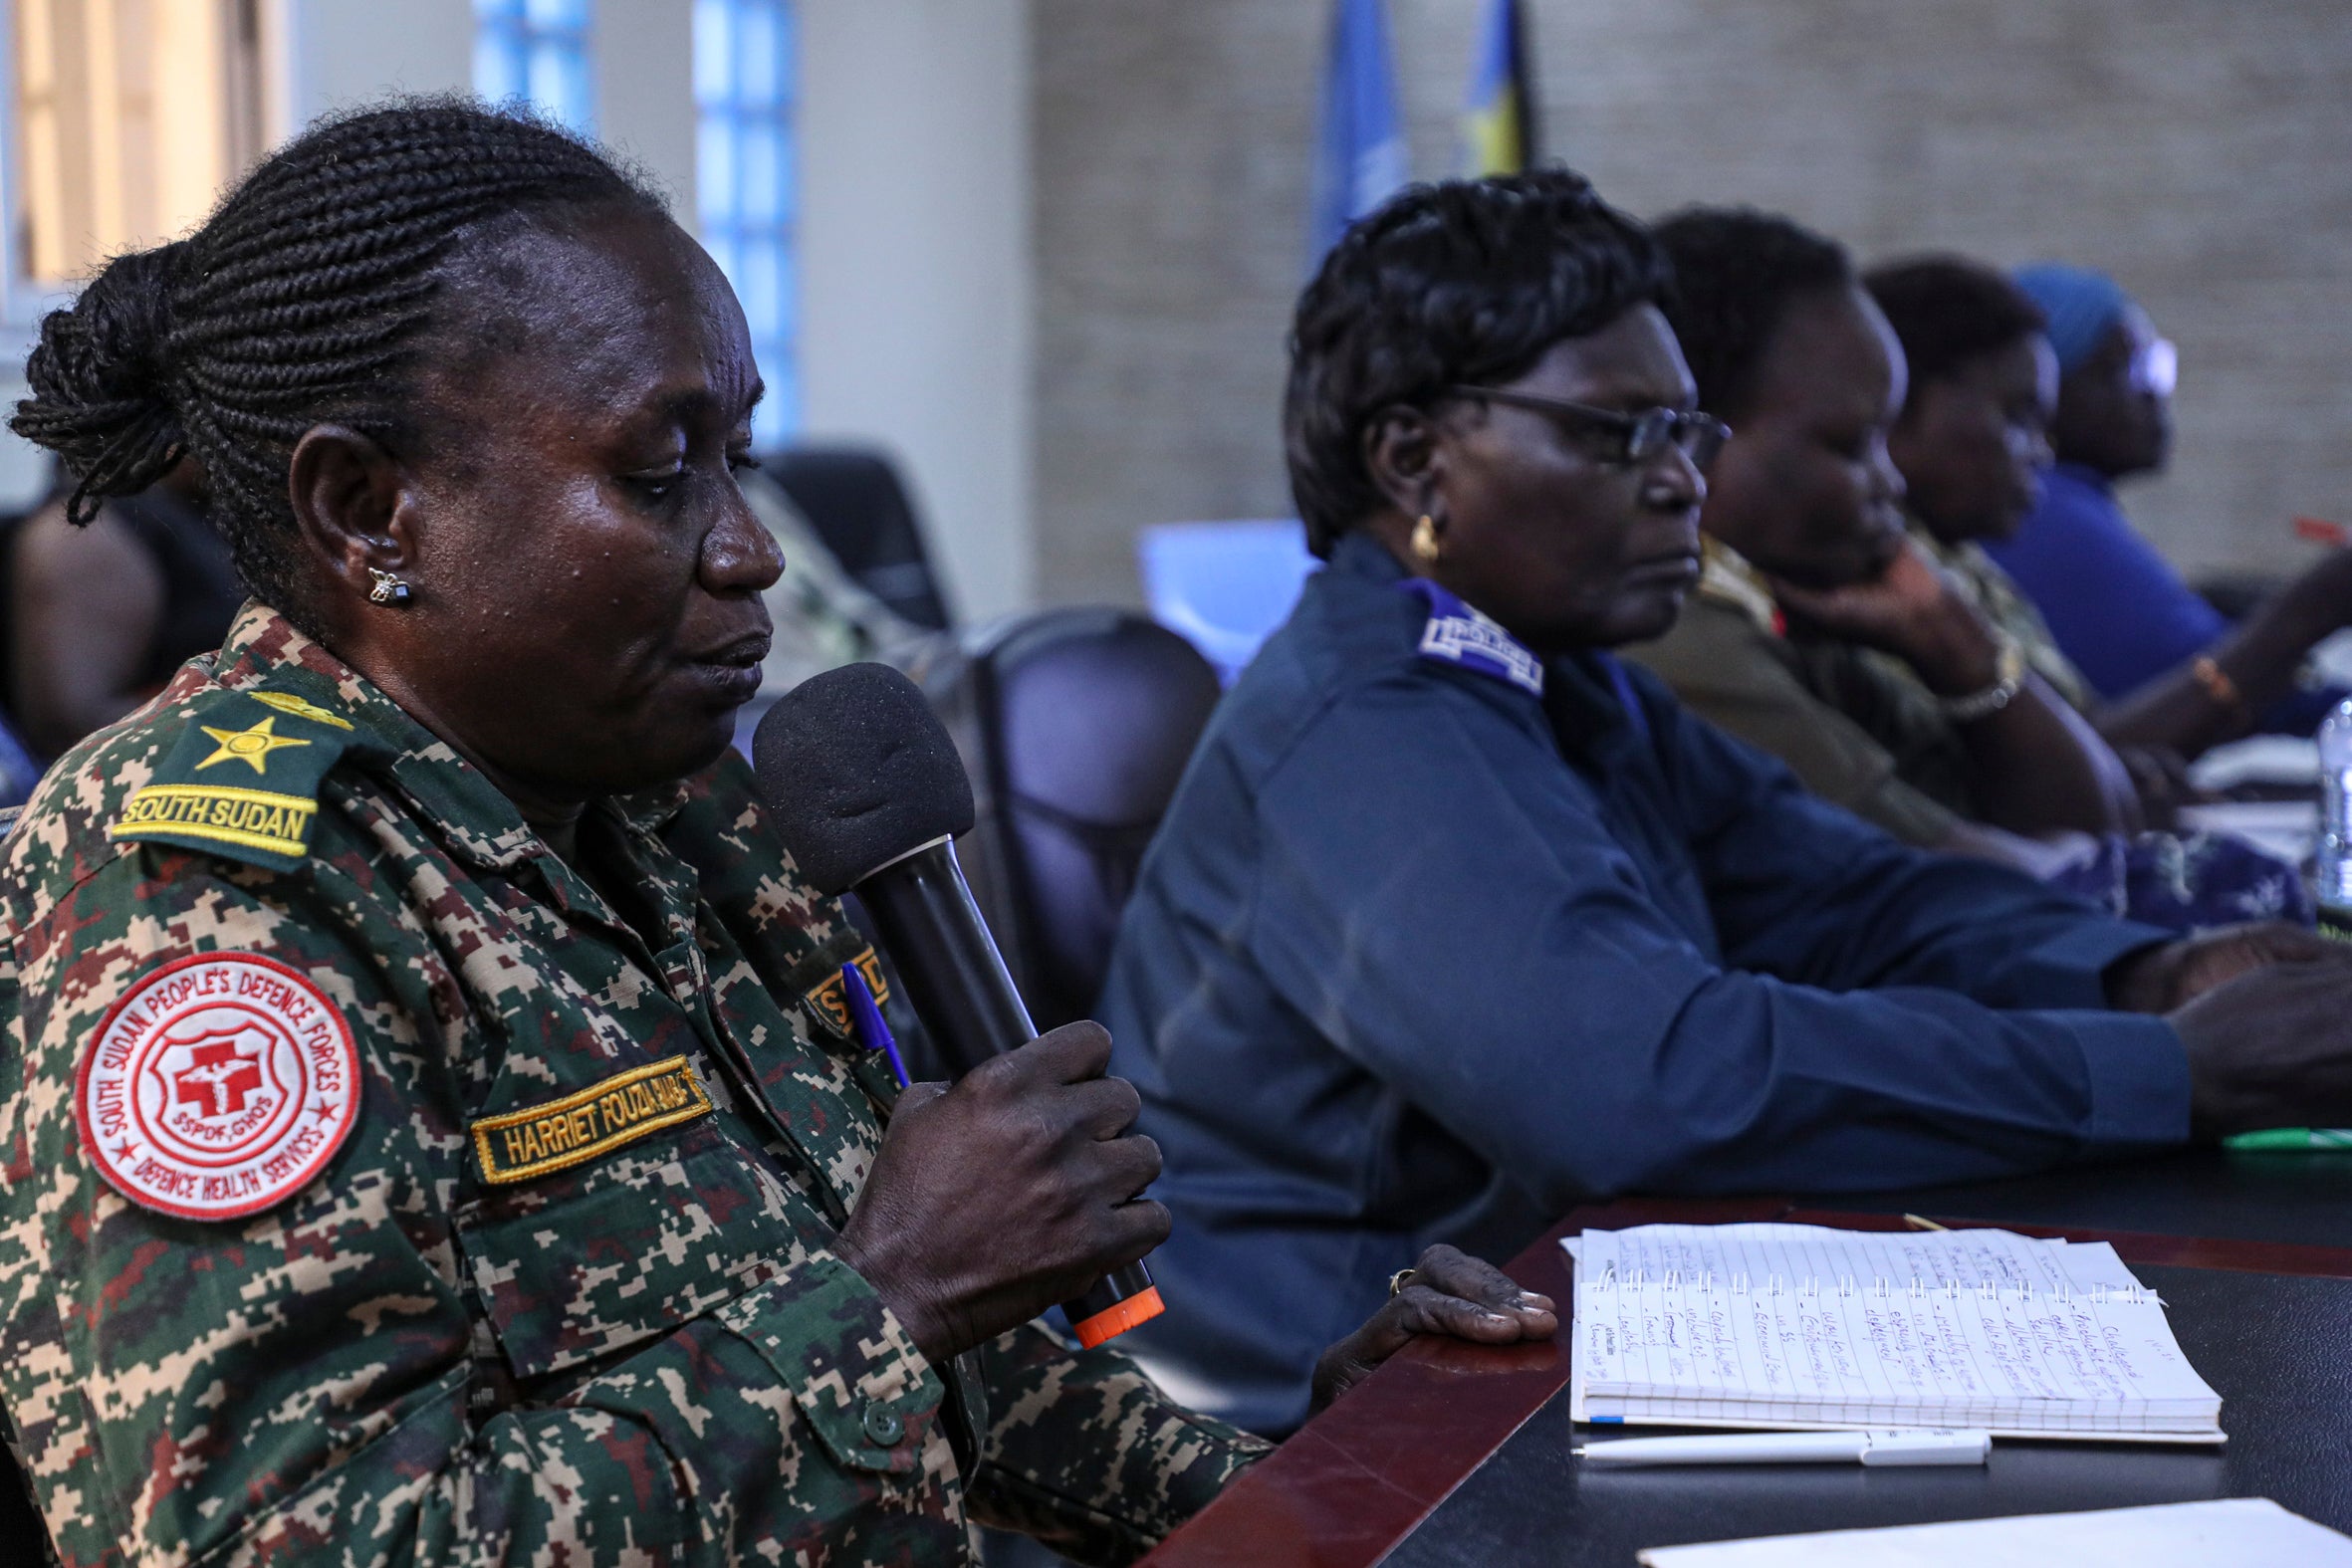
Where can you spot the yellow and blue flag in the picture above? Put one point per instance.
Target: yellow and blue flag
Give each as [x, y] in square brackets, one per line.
[1360, 155]
[1499, 116]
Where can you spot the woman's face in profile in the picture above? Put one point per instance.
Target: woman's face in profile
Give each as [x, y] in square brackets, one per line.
[589, 614]
[1546, 529]
[1806, 488]
[1973, 443]
[2111, 414]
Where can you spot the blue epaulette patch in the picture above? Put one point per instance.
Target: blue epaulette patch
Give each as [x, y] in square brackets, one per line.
[1457, 634]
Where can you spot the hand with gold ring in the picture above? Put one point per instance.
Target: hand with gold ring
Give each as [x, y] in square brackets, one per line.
[1447, 1293]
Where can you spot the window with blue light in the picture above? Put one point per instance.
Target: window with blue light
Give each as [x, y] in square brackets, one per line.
[744, 183]
[537, 50]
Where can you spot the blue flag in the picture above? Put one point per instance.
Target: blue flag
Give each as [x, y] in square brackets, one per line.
[1499, 116]
[1360, 160]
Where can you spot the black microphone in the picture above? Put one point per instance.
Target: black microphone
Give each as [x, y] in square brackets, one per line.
[864, 787]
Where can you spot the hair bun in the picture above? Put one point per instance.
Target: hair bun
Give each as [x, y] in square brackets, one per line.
[101, 379]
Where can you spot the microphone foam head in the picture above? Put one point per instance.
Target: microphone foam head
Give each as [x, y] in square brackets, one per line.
[856, 771]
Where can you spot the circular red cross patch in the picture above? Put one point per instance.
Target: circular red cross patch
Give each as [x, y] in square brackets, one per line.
[221, 1084]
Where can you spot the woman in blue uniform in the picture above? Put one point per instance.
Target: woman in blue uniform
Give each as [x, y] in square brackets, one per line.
[1455, 920]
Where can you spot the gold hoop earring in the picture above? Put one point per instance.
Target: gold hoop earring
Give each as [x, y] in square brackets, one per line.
[1426, 547]
[388, 589]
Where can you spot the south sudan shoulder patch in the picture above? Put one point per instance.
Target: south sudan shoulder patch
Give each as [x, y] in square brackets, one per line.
[539, 1140]
[243, 781]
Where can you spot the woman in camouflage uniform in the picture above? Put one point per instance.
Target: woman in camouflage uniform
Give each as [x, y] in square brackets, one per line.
[427, 1137]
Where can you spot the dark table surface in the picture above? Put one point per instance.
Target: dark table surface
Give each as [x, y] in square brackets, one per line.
[2303, 1198]
[1458, 1455]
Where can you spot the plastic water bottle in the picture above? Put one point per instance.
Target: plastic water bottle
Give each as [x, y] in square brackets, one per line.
[2333, 890]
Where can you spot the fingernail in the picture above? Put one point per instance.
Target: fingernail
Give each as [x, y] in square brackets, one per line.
[1494, 1317]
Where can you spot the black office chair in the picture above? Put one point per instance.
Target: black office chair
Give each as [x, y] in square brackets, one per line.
[1075, 724]
[23, 1537]
[853, 499]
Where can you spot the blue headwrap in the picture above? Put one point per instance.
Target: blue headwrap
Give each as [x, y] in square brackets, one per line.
[2081, 305]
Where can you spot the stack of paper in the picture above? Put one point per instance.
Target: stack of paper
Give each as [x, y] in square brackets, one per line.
[1780, 1325]
[2226, 1534]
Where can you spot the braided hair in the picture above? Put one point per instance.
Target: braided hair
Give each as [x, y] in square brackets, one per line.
[1737, 272]
[301, 302]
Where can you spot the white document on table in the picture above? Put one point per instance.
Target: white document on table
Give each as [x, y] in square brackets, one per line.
[2233, 1533]
[1789, 1325]
[2284, 829]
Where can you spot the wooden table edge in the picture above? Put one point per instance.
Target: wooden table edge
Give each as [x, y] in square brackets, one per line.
[1307, 1504]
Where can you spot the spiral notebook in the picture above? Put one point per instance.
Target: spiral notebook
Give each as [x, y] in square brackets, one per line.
[1791, 1325]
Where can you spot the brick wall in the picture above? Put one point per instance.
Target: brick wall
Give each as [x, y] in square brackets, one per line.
[2201, 148]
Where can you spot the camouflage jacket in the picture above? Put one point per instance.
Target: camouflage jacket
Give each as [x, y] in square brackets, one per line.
[546, 1279]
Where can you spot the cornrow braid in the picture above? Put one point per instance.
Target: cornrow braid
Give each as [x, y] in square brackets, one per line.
[299, 303]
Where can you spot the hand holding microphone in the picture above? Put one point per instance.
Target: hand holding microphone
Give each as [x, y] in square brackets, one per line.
[994, 1199]
[1019, 1185]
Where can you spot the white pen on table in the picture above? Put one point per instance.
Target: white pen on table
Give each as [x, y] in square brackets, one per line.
[1797, 1447]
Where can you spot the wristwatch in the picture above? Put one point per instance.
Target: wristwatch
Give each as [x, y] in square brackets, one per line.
[2008, 679]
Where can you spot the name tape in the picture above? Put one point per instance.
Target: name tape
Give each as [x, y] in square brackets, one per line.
[515, 1146]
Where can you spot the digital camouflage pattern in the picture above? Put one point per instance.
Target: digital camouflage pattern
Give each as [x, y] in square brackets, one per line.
[645, 1354]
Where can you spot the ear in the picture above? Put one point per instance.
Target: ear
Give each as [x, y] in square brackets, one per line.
[1407, 460]
[353, 505]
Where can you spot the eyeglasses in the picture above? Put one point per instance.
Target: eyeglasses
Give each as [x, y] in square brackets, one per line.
[2155, 368]
[1638, 437]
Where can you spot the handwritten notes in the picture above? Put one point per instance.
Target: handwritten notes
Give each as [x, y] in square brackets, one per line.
[1798, 1326]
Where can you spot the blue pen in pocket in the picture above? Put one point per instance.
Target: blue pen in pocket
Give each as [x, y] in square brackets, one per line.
[866, 1019]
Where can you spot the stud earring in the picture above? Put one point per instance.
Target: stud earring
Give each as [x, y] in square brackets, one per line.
[388, 589]
[1426, 549]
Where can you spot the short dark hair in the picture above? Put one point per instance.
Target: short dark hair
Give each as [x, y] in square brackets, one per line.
[1466, 281]
[1948, 310]
[299, 303]
[1736, 271]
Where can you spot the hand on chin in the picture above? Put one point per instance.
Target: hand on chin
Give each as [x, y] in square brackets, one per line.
[1878, 610]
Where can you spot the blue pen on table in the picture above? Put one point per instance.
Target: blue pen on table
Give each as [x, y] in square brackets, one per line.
[2281, 1140]
[872, 1032]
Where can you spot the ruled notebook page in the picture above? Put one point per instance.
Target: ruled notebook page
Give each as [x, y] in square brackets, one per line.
[1782, 1325]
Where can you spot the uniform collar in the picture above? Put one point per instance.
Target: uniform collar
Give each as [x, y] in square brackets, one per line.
[1358, 555]
[1965, 556]
[461, 806]
[1728, 578]
[2081, 474]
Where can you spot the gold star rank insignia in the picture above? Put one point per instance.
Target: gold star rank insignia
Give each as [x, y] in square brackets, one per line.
[248, 746]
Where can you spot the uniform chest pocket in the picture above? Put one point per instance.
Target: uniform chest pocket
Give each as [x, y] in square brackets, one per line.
[581, 1264]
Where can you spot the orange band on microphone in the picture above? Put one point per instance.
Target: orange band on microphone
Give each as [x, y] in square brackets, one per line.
[1113, 1321]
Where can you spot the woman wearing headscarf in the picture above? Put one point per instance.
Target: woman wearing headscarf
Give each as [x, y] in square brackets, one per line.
[2176, 671]
[432, 1130]
[1456, 920]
